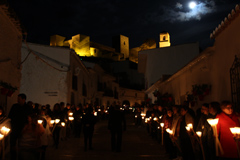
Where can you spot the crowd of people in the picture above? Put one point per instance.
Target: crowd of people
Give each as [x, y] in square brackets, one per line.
[176, 127]
[34, 127]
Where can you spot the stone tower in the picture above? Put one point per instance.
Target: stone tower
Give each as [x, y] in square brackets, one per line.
[121, 45]
[164, 40]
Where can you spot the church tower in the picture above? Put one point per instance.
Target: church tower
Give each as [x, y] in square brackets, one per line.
[121, 45]
[164, 40]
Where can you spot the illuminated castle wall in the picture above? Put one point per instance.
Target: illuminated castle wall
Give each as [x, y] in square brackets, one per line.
[118, 52]
[164, 40]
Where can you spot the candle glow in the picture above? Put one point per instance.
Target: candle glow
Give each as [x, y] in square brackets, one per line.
[213, 122]
[70, 118]
[161, 124]
[57, 120]
[52, 121]
[5, 130]
[199, 133]
[1, 136]
[40, 121]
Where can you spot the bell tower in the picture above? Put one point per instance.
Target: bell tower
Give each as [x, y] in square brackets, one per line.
[164, 40]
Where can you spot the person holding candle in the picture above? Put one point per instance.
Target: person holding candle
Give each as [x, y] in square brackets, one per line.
[47, 133]
[184, 137]
[29, 142]
[19, 117]
[167, 140]
[57, 114]
[227, 119]
[116, 125]
[88, 122]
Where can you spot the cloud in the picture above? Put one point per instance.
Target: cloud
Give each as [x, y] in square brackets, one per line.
[201, 9]
[179, 5]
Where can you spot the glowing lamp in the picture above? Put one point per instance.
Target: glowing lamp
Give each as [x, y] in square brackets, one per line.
[155, 118]
[95, 113]
[57, 120]
[70, 118]
[213, 122]
[142, 117]
[63, 124]
[199, 133]
[236, 132]
[162, 124]
[167, 130]
[190, 125]
[160, 117]
[40, 121]
[99, 110]
[187, 128]
[135, 116]
[52, 121]
[70, 114]
[5, 130]
[1, 136]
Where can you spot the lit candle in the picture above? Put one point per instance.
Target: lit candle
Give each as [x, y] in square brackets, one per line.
[99, 110]
[135, 116]
[63, 124]
[142, 117]
[190, 125]
[1, 136]
[160, 117]
[187, 128]
[70, 114]
[162, 124]
[213, 122]
[5, 130]
[70, 118]
[167, 130]
[95, 113]
[57, 120]
[52, 121]
[155, 118]
[40, 121]
[199, 133]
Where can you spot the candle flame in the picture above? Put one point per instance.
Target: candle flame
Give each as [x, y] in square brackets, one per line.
[57, 120]
[213, 122]
[199, 133]
[40, 121]
[70, 118]
[161, 124]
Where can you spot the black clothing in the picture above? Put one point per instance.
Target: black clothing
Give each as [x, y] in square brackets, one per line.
[88, 122]
[116, 125]
[19, 117]
[77, 122]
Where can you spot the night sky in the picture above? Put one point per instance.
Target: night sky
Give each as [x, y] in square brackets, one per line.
[137, 19]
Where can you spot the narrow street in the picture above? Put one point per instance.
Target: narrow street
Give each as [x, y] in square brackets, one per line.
[137, 144]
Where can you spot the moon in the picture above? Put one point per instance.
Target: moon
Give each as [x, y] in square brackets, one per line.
[192, 5]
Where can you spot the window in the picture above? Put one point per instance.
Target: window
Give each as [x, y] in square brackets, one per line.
[74, 83]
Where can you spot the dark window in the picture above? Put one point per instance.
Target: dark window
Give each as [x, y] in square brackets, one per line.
[164, 38]
[74, 83]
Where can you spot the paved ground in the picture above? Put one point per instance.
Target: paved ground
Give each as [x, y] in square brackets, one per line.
[137, 144]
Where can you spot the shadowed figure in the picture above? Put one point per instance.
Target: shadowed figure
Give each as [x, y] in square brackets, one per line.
[88, 122]
[116, 125]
